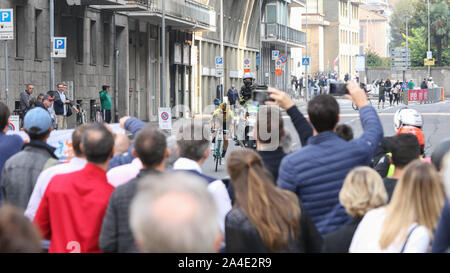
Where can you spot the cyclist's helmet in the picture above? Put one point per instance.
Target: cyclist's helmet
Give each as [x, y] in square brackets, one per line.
[408, 129]
[223, 107]
[406, 116]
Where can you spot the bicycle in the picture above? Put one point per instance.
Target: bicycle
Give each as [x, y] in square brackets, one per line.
[96, 114]
[218, 146]
[81, 115]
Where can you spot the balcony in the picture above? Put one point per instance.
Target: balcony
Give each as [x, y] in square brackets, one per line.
[276, 34]
[187, 15]
[297, 3]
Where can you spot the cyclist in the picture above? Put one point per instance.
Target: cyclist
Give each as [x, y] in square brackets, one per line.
[223, 119]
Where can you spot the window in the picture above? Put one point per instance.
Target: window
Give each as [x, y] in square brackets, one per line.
[93, 42]
[271, 13]
[80, 39]
[38, 42]
[106, 42]
[361, 34]
[20, 32]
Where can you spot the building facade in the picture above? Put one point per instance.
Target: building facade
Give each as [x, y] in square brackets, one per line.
[278, 34]
[316, 24]
[341, 37]
[241, 42]
[113, 42]
[373, 33]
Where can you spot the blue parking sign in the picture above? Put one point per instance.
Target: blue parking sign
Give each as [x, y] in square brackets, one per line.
[60, 44]
[5, 16]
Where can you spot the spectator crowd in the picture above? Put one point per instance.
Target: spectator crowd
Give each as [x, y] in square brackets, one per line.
[336, 194]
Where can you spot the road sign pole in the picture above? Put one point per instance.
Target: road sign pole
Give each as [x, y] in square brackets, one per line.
[306, 52]
[52, 33]
[6, 71]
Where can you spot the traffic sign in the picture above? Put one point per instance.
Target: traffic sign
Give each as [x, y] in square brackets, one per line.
[429, 55]
[59, 47]
[305, 61]
[399, 54]
[401, 50]
[258, 59]
[6, 24]
[219, 66]
[165, 119]
[400, 68]
[428, 61]
[399, 59]
[14, 123]
[247, 65]
[275, 54]
[360, 63]
[283, 58]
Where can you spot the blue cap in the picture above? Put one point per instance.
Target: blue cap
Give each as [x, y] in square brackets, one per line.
[37, 121]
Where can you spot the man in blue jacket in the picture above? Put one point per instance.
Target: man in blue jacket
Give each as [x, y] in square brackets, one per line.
[316, 172]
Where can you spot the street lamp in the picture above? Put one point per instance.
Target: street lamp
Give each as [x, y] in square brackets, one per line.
[429, 39]
[407, 17]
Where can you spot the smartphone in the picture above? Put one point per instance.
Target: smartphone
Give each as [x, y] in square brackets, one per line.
[338, 88]
[261, 94]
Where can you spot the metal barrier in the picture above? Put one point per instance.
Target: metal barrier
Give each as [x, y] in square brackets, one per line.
[431, 95]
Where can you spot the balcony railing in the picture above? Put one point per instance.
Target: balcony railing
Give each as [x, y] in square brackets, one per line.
[188, 10]
[277, 32]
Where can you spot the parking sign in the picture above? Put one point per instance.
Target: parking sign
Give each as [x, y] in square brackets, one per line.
[59, 47]
[6, 24]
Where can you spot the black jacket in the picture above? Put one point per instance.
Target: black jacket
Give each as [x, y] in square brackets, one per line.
[58, 105]
[242, 237]
[339, 240]
[115, 234]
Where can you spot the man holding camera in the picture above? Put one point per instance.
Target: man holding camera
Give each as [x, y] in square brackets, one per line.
[316, 172]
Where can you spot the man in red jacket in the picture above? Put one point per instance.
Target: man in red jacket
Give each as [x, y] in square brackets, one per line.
[72, 209]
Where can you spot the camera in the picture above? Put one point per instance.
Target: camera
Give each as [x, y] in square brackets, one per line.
[338, 88]
[261, 94]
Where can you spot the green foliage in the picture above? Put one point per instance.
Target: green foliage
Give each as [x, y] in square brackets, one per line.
[417, 44]
[373, 59]
[440, 29]
[397, 21]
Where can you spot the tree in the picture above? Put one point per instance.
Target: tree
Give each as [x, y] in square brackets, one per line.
[373, 59]
[440, 27]
[439, 24]
[397, 21]
[417, 44]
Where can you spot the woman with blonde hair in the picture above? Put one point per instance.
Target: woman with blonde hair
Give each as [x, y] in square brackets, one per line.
[407, 224]
[265, 218]
[363, 190]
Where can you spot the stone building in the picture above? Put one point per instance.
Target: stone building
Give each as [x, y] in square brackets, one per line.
[113, 42]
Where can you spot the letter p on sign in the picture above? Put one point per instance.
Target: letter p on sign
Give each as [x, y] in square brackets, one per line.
[5, 16]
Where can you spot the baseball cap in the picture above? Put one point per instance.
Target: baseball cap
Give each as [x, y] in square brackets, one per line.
[47, 97]
[37, 121]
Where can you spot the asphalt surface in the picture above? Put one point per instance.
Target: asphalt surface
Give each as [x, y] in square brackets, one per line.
[436, 127]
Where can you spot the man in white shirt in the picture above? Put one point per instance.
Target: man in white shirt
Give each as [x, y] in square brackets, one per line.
[76, 163]
[193, 149]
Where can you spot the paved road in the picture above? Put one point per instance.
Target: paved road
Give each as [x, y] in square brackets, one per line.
[436, 127]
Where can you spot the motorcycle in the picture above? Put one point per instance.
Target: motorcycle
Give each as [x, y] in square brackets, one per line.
[245, 125]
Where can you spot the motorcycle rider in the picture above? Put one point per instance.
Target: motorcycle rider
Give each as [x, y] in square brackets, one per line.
[246, 89]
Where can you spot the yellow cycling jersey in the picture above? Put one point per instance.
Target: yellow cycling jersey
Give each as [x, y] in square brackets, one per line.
[219, 114]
